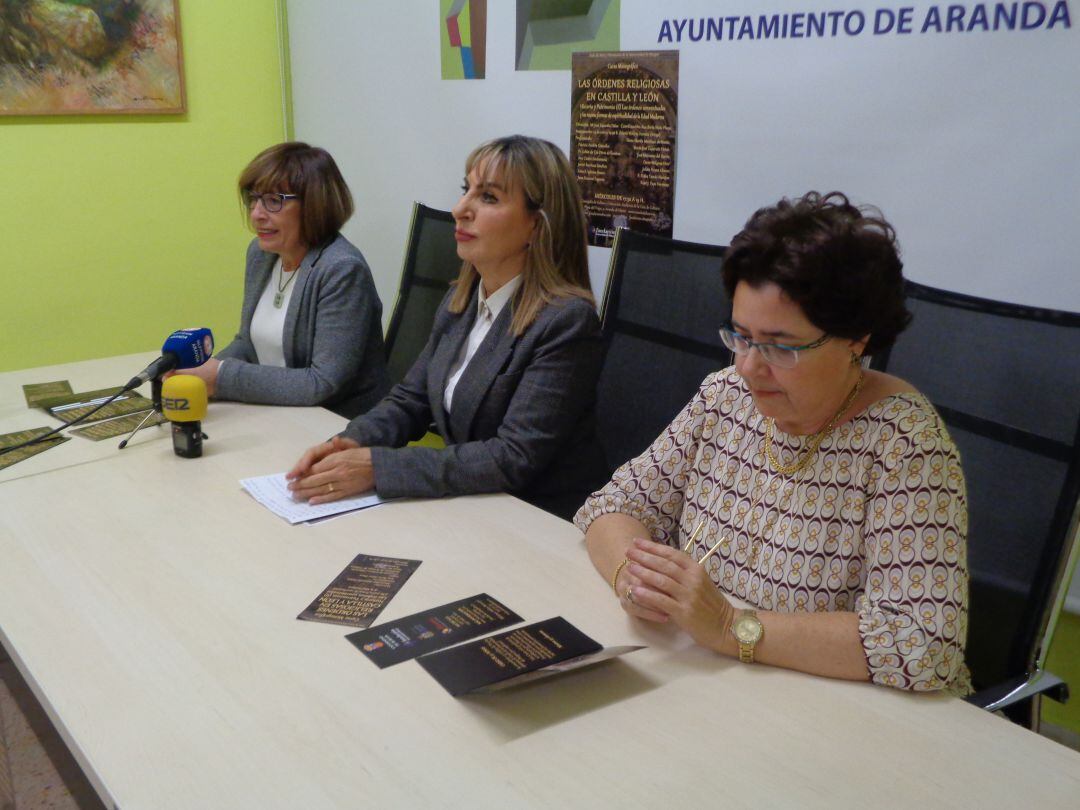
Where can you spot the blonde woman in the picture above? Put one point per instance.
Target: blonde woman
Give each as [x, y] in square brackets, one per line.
[508, 375]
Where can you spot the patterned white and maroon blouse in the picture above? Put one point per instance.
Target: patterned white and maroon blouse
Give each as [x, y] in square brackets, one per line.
[876, 524]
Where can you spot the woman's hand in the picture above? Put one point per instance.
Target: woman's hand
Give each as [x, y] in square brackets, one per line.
[333, 470]
[627, 586]
[330, 471]
[207, 372]
[666, 582]
[317, 453]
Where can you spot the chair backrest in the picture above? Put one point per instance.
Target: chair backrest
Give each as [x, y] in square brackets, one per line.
[661, 315]
[431, 263]
[1006, 379]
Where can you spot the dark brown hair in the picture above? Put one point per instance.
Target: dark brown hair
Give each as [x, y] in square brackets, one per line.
[310, 172]
[838, 263]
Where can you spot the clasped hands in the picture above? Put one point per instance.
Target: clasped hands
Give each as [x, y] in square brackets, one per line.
[328, 472]
[661, 583]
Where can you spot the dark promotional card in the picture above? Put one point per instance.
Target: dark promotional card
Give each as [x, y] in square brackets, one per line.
[360, 592]
[527, 653]
[405, 639]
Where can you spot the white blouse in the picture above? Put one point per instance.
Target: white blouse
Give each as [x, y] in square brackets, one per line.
[268, 321]
[487, 310]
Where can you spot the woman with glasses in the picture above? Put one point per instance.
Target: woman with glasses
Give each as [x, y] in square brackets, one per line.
[508, 375]
[311, 320]
[801, 511]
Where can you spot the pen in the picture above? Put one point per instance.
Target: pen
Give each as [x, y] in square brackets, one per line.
[710, 552]
[97, 401]
[693, 537]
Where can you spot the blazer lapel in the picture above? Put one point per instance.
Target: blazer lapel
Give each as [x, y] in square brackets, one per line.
[296, 300]
[490, 359]
[446, 352]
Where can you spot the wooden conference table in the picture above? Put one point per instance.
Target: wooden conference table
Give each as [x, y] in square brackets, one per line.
[151, 605]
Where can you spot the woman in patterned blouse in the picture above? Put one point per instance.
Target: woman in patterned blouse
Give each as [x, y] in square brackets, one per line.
[828, 497]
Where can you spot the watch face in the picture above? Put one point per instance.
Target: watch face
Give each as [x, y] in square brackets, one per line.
[747, 629]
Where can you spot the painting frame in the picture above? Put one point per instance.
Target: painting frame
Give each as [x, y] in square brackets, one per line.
[135, 66]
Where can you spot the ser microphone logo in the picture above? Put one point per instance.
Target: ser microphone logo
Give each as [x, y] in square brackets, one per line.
[176, 403]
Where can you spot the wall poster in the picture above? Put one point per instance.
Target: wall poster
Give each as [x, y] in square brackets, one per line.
[623, 118]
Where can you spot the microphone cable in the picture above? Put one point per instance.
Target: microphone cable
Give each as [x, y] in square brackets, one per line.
[54, 431]
[132, 384]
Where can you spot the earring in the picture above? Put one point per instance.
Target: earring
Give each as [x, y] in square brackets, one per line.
[855, 359]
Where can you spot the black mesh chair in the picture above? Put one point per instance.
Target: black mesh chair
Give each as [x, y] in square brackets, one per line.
[1006, 379]
[431, 263]
[661, 315]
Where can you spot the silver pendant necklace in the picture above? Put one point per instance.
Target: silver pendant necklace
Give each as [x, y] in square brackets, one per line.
[279, 296]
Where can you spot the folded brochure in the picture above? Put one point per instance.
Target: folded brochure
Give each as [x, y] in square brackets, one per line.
[518, 656]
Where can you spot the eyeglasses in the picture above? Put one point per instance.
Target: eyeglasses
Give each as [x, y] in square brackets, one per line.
[272, 201]
[775, 354]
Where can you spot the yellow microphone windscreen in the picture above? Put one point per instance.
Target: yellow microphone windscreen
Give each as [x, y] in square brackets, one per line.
[183, 398]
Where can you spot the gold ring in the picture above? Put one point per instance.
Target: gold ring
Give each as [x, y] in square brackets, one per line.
[630, 595]
[331, 485]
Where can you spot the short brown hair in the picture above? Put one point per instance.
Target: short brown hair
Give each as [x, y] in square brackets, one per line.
[556, 263]
[840, 264]
[307, 171]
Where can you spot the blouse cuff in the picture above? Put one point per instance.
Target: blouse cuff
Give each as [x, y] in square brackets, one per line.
[902, 654]
[610, 503]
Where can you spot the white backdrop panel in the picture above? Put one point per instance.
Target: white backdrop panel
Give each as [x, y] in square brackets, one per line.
[966, 140]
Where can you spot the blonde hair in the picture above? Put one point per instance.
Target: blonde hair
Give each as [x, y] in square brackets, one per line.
[556, 262]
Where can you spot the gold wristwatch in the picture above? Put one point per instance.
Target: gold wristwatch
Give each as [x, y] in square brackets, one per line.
[748, 631]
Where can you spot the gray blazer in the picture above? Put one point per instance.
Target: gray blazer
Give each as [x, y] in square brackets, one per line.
[523, 416]
[333, 344]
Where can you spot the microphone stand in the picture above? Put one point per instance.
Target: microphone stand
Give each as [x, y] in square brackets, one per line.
[155, 395]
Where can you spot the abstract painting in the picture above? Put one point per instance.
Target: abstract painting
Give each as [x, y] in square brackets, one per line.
[464, 38]
[550, 31]
[64, 57]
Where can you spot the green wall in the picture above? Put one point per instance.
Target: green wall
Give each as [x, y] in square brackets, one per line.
[119, 229]
[1063, 659]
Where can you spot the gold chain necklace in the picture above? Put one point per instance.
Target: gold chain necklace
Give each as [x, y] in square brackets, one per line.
[783, 498]
[727, 533]
[815, 441]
